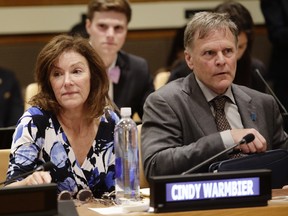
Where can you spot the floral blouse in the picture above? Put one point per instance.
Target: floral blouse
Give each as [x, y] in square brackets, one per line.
[39, 138]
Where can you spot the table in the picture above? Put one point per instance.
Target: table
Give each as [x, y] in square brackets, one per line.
[275, 207]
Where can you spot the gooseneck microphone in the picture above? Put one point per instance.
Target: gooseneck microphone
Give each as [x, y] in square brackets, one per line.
[44, 167]
[271, 92]
[246, 139]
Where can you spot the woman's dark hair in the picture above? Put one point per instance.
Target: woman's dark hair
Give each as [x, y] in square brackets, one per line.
[98, 97]
[244, 22]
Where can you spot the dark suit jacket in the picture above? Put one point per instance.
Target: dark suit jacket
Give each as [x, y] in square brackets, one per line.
[179, 130]
[135, 82]
[11, 100]
[276, 19]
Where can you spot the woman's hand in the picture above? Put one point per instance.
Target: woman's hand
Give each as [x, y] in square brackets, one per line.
[39, 177]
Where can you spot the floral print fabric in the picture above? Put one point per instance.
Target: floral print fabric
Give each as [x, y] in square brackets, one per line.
[39, 138]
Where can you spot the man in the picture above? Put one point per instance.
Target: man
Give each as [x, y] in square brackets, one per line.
[179, 130]
[11, 100]
[130, 79]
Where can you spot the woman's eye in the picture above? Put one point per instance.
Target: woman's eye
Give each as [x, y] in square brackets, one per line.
[56, 74]
[77, 71]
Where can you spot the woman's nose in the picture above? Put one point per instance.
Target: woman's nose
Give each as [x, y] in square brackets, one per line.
[67, 79]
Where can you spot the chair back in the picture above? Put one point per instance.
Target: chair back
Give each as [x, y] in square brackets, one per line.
[4, 161]
[6, 137]
[31, 90]
[143, 182]
[161, 79]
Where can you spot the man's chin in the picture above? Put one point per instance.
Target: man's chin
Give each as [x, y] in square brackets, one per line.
[221, 87]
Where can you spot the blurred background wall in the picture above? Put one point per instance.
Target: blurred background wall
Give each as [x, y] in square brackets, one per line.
[27, 25]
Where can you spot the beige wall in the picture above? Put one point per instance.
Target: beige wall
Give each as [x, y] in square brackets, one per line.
[149, 15]
[20, 56]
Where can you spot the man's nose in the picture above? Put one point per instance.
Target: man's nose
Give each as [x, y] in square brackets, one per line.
[110, 31]
[220, 59]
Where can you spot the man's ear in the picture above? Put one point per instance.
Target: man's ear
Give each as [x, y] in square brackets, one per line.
[88, 25]
[188, 59]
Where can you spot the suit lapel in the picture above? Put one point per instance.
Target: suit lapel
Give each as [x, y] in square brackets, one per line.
[202, 112]
[247, 110]
[199, 107]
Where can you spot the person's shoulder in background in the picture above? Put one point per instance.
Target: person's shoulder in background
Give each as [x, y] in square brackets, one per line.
[11, 98]
[257, 83]
[181, 70]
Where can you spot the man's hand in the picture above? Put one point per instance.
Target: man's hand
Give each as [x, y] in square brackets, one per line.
[259, 144]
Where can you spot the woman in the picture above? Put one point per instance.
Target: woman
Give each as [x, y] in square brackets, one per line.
[70, 123]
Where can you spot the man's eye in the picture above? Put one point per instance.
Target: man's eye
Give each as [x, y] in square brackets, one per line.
[228, 51]
[118, 28]
[208, 53]
[102, 26]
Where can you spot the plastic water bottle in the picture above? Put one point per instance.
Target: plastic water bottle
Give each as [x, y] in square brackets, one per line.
[127, 159]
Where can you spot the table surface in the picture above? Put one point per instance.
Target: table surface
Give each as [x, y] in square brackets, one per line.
[277, 206]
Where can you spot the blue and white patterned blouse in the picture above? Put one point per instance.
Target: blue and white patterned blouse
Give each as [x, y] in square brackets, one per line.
[39, 138]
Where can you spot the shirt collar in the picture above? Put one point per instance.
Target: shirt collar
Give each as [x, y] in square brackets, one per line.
[210, 95]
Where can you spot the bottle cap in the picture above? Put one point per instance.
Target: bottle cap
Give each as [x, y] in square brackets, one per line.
[125, 111]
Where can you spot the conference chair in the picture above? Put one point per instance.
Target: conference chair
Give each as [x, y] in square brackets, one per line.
[4, 161]
[6, 136]
[143, 182]
[161, 79]
[31, 90]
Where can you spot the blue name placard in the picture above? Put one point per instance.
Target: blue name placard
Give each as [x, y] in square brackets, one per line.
[212, 189]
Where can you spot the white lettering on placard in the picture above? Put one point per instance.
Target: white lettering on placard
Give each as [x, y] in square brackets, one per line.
[228, 189]
[185, 191]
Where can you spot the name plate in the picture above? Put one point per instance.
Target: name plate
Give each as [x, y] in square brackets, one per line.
[34, 200]
[210, 190]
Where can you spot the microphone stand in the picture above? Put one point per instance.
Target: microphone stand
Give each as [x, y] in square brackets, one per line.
[271, 92]
[284, 113]
[193, 169]
[246, 139]
[44, 167]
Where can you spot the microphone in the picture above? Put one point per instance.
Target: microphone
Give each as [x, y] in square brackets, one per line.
[271, 91]
[44, 167]
[246, 139]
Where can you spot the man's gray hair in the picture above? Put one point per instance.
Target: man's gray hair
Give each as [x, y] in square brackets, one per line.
[202, 23]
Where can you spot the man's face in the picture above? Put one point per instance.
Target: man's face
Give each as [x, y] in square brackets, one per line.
[213, 59]
[107, 32]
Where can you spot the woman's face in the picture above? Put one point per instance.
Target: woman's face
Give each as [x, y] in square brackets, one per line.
[70, 80]
[242, 44]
